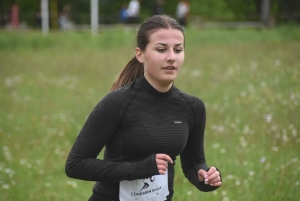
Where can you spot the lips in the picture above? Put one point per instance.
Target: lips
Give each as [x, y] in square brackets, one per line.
[169, 68]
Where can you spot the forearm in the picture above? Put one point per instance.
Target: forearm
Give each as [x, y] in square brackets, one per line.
[100, 127]
[92, 169]
[191, 174]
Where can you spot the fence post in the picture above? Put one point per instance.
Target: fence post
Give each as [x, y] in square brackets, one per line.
[94, 16]
[265, 12]
[45, 16]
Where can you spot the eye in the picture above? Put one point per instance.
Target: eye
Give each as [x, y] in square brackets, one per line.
[178, 50]
[161, 50]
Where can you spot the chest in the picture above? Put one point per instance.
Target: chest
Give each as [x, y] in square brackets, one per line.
[155, 128]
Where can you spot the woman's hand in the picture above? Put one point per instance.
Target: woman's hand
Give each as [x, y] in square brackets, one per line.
[212, 177]
[162, 161]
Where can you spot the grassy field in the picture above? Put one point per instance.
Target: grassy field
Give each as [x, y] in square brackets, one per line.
[248, 79]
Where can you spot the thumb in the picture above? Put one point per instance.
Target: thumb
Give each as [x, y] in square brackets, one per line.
[201, 175]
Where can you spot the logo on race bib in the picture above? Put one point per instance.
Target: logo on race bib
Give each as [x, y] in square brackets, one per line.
[146, 185]
[154, 188]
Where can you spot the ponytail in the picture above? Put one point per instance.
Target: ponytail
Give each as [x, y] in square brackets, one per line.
[133, 70]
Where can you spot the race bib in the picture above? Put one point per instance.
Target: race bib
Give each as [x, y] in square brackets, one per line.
[153, 188]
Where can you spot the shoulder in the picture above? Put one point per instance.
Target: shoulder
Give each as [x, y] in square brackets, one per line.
[194, 101]
[122, 94]
[114, 104]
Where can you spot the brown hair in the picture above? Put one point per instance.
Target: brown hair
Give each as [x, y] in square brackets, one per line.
[134, 69]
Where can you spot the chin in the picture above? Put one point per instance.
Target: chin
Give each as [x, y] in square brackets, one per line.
[169, 78]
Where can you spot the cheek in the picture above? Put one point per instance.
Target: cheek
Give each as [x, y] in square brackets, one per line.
[153, 60]
[181, 60]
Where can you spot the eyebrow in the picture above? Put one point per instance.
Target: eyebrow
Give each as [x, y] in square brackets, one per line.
[163, 44]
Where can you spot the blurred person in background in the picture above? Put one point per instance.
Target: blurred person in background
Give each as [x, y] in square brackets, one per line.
[133, 11]
[64, 19]
[14, 16]
[38, 17]
[182, 12]
[144, 123]
[123, 16]
[158, 8]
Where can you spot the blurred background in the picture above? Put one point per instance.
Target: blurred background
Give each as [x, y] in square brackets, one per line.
[58, 59]
[77, 12]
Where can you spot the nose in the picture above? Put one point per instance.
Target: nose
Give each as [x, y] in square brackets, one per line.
[171, 57]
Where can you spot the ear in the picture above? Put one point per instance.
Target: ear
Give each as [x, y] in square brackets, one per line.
[139, 55]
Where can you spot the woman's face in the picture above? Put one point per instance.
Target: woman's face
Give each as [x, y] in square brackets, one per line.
[162, 58]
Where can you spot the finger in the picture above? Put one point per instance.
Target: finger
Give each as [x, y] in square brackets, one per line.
[161, 162]
[217, 184]
[164, 157]
[215, 180]
[213, 176]
[162, 167]
[211, 170]
[202, 175]
[162, 172]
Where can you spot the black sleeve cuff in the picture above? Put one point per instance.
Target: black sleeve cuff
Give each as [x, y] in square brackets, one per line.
[147, 167]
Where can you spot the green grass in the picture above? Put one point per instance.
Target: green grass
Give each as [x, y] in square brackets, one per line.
[249, 80]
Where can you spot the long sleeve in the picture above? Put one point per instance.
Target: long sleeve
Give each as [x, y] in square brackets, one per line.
[193, 157]
[134, 123]
[99, 128]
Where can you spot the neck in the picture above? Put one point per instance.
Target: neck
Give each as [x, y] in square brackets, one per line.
[160, 87]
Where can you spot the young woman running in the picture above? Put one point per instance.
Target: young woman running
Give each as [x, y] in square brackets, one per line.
[144, 123]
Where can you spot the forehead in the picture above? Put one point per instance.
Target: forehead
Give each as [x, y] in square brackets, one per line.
[166, 36]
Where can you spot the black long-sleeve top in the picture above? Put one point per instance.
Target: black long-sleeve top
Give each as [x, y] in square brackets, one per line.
[134, 123]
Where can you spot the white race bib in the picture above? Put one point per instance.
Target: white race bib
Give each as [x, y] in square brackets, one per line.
[153, 188]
